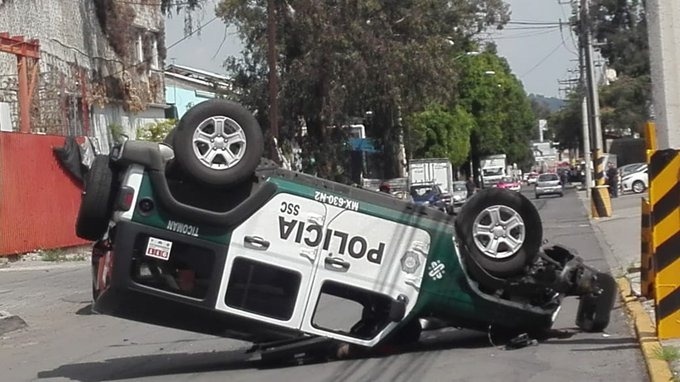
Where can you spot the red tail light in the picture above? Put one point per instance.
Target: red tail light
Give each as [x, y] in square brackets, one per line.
[125, 198]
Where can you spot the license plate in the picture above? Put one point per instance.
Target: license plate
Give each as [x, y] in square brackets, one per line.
[158, 248]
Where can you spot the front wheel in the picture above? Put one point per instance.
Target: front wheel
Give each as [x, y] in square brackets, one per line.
[638, 187]
[501, 230]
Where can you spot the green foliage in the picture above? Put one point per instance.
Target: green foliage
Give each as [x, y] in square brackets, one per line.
[496, 99]
[117, 132]
[339, 59]
[566, 124]
[156, 131]
[667, 353]
[620, 28]
[436, 133]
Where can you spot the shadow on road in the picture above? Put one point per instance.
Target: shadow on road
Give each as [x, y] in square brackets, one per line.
[152, 365]
[188, 363]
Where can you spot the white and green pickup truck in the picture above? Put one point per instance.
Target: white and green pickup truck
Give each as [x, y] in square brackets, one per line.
[200, 234]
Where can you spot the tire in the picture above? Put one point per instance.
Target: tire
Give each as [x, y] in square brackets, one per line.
[237, 146]
[96, 205]
[537, 196]
[170, 138]
[594, 311]
[492, 213]
[561, 194]
[638, 187]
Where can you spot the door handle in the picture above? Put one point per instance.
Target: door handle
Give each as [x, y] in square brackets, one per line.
[256, 242]
[336, 264]
[308, 254]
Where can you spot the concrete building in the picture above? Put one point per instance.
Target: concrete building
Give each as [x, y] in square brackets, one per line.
[186, 87]
[100, 65]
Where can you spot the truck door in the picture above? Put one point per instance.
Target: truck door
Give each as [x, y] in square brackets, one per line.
[366, 267]
[270, 261]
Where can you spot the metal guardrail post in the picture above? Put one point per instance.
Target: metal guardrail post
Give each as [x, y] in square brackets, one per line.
[646, 247]
[664, 198]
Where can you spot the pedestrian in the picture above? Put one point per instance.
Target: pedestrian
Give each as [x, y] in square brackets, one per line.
[470, 187]
[613, 180]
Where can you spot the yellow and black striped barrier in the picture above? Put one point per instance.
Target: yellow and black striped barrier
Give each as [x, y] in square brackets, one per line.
[599, 168]
[664, 198]
[646, 247]
[600, 205]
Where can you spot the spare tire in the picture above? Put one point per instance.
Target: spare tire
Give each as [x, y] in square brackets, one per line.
[219, 143]
[501, 230]
[96, 205]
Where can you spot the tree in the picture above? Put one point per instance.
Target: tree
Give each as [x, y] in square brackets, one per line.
[340, 58]
[496, 99]
[436, 133]
[620, 26]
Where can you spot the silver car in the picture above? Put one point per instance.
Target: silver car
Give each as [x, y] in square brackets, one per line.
[459, 192]
[548, 184]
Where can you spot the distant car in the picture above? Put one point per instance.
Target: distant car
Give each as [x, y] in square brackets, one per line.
[510, 184]
[548, 184]
[431, 195]
[459, 194]
[531, 177]
[631, 168]
[636, 181]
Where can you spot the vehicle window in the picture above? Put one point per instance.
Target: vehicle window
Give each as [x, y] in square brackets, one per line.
[262, 289]
[351, 311]
[420, 191]
[506, 180]
[187, 272]
[492, 171]
[547, 177]
[459, 187]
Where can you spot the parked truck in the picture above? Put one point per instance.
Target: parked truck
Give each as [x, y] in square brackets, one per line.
[492, 169]
[424, 175]
[431, 171]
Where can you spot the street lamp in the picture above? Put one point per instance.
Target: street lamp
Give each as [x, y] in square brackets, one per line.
[473, 53]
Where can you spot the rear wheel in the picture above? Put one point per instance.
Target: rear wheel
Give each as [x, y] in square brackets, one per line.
[501, 230]
[96, 205]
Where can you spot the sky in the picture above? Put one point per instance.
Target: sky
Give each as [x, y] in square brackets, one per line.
[539, 55]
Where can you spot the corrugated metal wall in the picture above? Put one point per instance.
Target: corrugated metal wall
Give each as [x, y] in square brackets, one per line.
[38, 199]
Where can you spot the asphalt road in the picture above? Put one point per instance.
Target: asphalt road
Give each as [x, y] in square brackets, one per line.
[64, 342]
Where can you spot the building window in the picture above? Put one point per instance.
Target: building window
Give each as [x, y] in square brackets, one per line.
[139, 48]
[154, 53]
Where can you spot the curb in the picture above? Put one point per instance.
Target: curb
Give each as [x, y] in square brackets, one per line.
[658, 369]
[10, 322]
[645, 330]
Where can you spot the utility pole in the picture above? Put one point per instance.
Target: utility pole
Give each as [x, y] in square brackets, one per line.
[663, 19]
[593, 96]
[585, 115]
[273, 76]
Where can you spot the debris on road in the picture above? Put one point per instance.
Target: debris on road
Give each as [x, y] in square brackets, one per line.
[10, 322]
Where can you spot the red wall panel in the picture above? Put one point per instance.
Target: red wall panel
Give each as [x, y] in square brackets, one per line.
[39, 201]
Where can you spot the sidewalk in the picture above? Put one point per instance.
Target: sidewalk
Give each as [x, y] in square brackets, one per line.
[619, 237]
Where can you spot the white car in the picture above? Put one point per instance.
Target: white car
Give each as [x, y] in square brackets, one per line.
[636, 182]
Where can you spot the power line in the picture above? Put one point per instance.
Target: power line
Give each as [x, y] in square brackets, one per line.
[521, 35]
[540, 62]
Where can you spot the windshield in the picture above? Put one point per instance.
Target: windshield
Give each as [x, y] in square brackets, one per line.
[459, 186]
[506, 180]
[492, 171]
[631, 168]
[548, 177]
[420, 191]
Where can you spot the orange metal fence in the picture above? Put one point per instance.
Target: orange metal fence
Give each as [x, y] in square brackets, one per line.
[38, 199]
